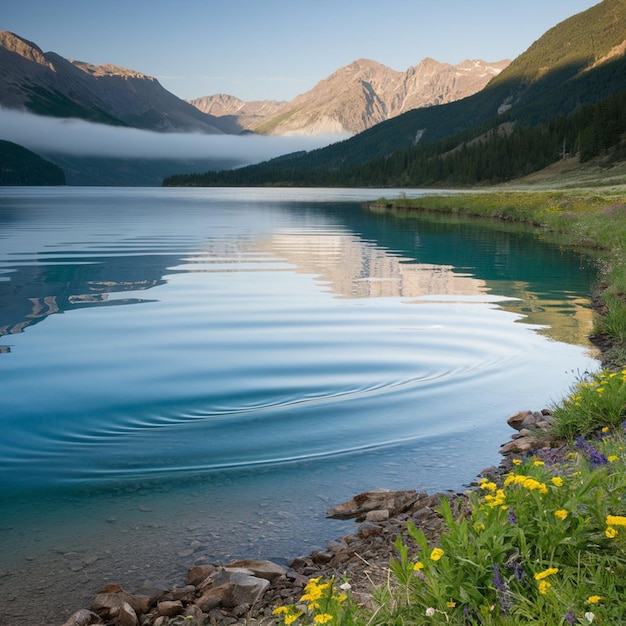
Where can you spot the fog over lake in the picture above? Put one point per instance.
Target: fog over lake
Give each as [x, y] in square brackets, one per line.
[77, 137]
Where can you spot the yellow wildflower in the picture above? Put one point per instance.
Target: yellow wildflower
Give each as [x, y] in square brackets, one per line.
[612, 458]
[557, 481]
[436, 554]
[495, 500]
[610, 532]
[594, 599]
[605, 429]
[289, 613]
[314, 590]
[517, 461]
[546, 573]
[323, 618]
[526, 482]
[418, 566]
[615, 520]
[561, 514]
[450, 605]
[544, 585]
[538, 463]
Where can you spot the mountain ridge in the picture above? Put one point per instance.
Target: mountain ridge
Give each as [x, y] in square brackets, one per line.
[357, 96]
[45, 83]
[558, 75]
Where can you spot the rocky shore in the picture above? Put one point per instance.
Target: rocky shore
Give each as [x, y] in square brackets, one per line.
[246, 592]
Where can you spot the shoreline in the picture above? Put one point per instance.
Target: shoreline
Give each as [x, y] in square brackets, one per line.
[217, 593]
[362, 556]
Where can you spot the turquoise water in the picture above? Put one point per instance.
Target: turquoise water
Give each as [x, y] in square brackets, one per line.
[198, 374]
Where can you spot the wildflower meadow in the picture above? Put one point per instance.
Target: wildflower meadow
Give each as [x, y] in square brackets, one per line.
[546, 544]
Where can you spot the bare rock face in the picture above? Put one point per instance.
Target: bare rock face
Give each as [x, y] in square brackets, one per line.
[357, 97]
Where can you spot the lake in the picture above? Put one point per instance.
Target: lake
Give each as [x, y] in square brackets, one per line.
[198, 374]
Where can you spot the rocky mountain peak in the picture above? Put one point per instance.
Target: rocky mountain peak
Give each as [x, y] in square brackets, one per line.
[26, 49]
[108, 69]
[366, 92]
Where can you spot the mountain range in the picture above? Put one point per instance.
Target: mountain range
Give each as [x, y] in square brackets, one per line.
[565, 95]
[48, 84]
[352, 99]
[356, 97]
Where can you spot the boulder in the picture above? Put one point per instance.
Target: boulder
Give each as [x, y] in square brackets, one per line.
[193, 616]
[196, 575]
[126, 615]
[380, 515]
[515, 421]
[246, 588]
[261, 569]
[215, 597]
[111, 597]
[170, 608]
[394, 502]
[83, 617]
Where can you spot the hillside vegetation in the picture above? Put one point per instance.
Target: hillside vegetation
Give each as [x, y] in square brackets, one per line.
[527, 117]
[19, 166]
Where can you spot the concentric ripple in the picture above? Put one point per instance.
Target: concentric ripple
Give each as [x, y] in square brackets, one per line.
[261, 333]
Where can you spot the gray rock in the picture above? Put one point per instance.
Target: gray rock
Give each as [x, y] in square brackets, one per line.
[377, 516]
[170, 608]
[185, 594]
[126, 615]
[369, 529]
[83, 617]
[262, 569]
[393, 501]
[248, 589]
[194, 616]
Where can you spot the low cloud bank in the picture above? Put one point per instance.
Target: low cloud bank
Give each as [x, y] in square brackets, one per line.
[76, 137]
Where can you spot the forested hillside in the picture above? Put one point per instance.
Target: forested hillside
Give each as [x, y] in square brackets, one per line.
[526, 118]
[19, 166]
[500, 155]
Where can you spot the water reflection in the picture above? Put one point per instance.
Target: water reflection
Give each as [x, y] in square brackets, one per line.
[32, 293]
[371, 256]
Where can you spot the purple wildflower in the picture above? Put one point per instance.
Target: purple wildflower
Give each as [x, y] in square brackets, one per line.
[519, 572]
[570, 618]
[497, 581]
[502, 591]
[594, 456]
[512, 519]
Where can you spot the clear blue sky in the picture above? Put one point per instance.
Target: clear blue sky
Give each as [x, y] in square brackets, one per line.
[277, 49]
